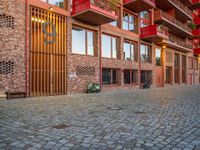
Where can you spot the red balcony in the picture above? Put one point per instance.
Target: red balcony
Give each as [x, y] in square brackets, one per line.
[182, 12]
[195, 4]
[139, 5]
[177, 43]
[96, 12]
[197, 51]
[175, 26]
[196, 20]
[196, 33]
[154, 33]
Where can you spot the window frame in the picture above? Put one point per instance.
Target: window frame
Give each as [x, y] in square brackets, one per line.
[111, 76]
[111, 46]
[86, 41]
[135, 21]
[131, 72]
[135, 53]
[150, 53]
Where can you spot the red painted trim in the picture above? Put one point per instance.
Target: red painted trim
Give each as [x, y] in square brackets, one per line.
[46, 6]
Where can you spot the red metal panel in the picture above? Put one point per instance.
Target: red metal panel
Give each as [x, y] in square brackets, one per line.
[196, 32]
[195, 1]
[196, 20]
[197, 51]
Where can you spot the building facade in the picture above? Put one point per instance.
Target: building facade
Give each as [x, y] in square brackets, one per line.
[54, 47]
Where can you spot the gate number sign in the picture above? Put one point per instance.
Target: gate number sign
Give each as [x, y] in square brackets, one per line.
[52, 34]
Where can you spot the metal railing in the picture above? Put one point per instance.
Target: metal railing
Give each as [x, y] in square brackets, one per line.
[179, 41]
[182, 7]
[159, 14]
[106, 5]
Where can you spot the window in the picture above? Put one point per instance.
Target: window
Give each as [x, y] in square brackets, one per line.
[129, 22]
[130, 76]
[130, 51]
[145, 17]
[145, 53]
[190, 63]
[158, 57]
[146, 76]
[169, 57]
[183, 69]
[59, 3]
[82, 41]
[109, 46]
[195, 64]
[109, 76]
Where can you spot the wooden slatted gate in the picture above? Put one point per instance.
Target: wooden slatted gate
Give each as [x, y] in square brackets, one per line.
[47, 53]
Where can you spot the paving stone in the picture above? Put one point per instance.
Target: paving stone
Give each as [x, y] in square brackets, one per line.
[166, 118]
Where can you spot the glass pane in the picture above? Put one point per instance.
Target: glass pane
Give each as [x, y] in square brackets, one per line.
[114, 76]
[78, 41]
[114, 23]
[158, 57]
[90, 43]
[131, 27]
[127, 51]
[132, 51]
[106, 76]
[114, 47]
[58, 3]
[142, 53]
[131, 19]
[125, 25]
[127, 77]
[126, 17]
[106, 46]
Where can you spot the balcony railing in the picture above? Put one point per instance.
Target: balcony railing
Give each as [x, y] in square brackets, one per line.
[154, 33]
[196, 32]
[139, 5]
[182, 6]
[195, 1]
[178, 41]
[96, 12]
[197, 51]
[105, 5]
[159, 14]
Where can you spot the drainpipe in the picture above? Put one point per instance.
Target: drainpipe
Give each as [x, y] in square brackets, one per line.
[26, 47]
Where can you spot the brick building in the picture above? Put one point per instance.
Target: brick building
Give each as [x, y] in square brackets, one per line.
[51, 47]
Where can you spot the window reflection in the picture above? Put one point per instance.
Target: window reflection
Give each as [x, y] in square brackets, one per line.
[145, 53]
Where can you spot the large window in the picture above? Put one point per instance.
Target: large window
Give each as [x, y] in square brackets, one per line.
[59, 3]
[129, 22]
[146, 76]
[130, 76]
[82, 41]
[145, 18]
[130, 52]
[145, 53]
[109, 76]
[158, 57]
[109, 46]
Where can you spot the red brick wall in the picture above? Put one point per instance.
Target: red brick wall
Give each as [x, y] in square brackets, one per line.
[12, 43]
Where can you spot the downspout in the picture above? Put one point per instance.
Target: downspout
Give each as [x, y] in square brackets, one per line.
[26, 47]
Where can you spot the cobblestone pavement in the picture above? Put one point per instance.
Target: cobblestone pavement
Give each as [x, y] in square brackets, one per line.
[165, 118]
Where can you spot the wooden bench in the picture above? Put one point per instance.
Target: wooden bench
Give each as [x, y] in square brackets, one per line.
[11, 95]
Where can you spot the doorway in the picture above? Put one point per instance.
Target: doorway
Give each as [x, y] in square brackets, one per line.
[47, 53]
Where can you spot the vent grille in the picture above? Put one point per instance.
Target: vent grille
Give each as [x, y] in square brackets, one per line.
[85, 70]
[7, 21]
[6, 67]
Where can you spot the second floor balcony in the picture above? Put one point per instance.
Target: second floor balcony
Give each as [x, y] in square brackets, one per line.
[178, 43]
[196, 33]
[181, 11]
[197, 51]
[196, 20]
[195, 4]
[139, 5]
[96, 12]
[175, 26]
[154, 33]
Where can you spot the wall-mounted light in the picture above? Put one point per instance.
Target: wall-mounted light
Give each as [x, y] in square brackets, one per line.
[164, 47]
[37, 20]
[51, 8]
